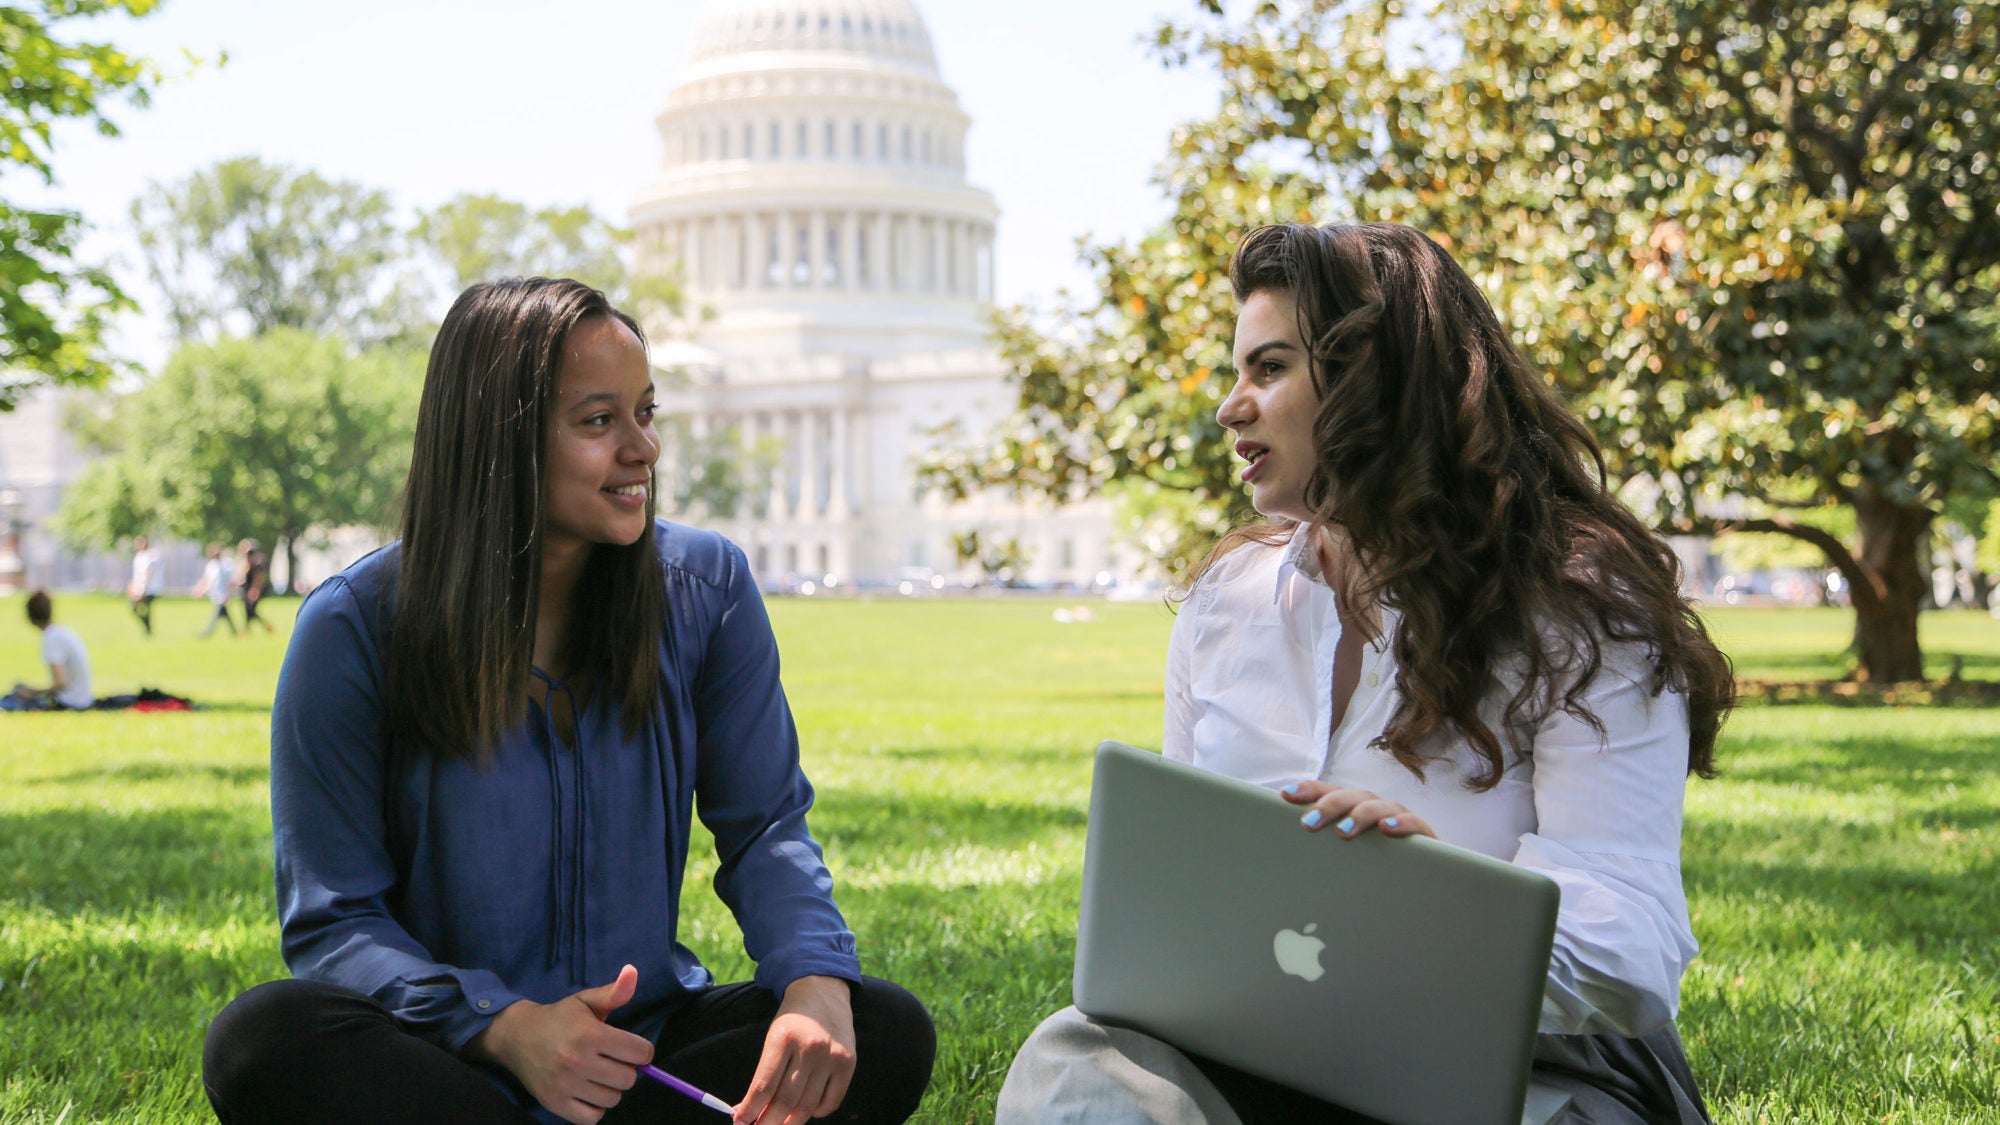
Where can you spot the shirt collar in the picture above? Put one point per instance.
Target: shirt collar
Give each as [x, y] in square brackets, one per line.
[1301, 559]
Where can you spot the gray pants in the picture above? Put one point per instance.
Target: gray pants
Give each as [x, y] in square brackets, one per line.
[1075, 1070]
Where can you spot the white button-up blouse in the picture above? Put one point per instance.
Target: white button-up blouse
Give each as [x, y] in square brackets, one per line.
[1249, 694]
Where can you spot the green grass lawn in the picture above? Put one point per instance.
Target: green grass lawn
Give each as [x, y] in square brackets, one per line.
[1844, 874]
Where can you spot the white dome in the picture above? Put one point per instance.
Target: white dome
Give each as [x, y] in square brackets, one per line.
[881, 30]
[812, 190]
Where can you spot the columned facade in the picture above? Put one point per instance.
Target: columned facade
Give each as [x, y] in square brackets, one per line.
[813, 202]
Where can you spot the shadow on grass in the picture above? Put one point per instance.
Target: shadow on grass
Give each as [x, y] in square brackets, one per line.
[160, 771]
[985, 756]
[1147, 695]
[885, 823]
[232, 708]
[1856, 765]
[70, 859]
[1833, 891]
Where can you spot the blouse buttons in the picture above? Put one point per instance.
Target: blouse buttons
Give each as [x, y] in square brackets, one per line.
[485, 1004]
[1374, 679]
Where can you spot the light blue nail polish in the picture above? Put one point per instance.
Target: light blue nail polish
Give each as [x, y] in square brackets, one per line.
[1389, 823]
[1292, 788]
[1345, 826]
[1311, 819]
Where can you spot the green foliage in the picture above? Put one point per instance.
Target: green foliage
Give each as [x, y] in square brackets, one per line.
[484, 237]
[1758, 244]
[1989, 543]
[263, 438]
[1839, 875]
[717, 475]
[245, 247]
[53, 309]
[996, 557]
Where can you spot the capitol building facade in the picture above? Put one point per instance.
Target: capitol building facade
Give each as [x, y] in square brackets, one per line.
[814, 205]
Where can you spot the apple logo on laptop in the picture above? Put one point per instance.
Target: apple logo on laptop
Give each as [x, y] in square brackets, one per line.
[1298, 953]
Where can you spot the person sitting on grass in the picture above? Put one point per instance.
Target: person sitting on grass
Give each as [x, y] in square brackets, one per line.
[487, 743]
[68, 660]
[1450, 628]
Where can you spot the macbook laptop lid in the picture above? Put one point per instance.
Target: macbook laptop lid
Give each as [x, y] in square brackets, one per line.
[1401, 978]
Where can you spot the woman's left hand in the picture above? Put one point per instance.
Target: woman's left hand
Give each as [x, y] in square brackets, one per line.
[1350, 812]
[808, 1056]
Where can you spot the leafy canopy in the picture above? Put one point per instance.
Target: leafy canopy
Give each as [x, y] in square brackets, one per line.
[244, 247]
[1757, 244]
[265, 437]
[53, 309]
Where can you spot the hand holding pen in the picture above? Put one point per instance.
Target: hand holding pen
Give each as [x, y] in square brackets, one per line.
[575, 1063]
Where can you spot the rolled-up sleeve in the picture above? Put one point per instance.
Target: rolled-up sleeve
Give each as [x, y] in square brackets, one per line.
[1608, 811]
[753, 797]
[334, 871]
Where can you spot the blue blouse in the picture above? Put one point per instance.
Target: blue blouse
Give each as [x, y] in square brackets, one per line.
[448, 891]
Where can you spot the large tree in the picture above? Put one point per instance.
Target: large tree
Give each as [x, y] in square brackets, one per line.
[266, 437]
[482, 237]
[245, 247]
[53, 308]
[1757, 243]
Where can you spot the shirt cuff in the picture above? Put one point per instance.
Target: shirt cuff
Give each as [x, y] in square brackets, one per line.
[481, 997]
[833, 958]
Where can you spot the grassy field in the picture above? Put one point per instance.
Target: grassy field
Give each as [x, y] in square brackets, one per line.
[1844, 874]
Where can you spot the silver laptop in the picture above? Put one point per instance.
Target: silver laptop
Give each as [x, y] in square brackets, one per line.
[1399, 978]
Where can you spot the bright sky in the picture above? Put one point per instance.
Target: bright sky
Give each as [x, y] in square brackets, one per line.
[550, 103]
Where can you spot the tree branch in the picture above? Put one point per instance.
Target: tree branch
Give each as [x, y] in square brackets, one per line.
[1927, 40]
[1864, 582]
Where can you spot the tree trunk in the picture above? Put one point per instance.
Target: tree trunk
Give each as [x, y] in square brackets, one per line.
[291, 565]
[1895, 544]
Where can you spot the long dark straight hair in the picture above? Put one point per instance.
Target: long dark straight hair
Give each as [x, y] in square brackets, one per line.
[1471, 500]
[462, 641]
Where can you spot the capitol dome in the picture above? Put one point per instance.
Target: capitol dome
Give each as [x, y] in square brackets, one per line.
[812, 191]
[883, 31]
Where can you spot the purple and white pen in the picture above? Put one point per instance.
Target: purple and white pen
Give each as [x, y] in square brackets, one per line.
[680, 1087]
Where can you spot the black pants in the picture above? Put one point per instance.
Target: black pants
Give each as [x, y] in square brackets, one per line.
[142, 608]
[308, 1053]
[250, 613]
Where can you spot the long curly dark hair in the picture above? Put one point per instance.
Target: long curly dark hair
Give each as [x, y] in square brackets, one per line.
[1470, 500]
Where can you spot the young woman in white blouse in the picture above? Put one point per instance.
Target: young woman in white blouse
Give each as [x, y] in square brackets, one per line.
[1449, 628]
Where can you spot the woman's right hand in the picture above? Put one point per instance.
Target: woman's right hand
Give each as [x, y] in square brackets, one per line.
[573, 1062]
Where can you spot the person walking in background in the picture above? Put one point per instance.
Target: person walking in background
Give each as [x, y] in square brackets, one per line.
[215, 582]
[69, 665]
[145, 583]
[253, 577]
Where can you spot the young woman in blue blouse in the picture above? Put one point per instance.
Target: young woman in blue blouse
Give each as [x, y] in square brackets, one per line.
[487, 744]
